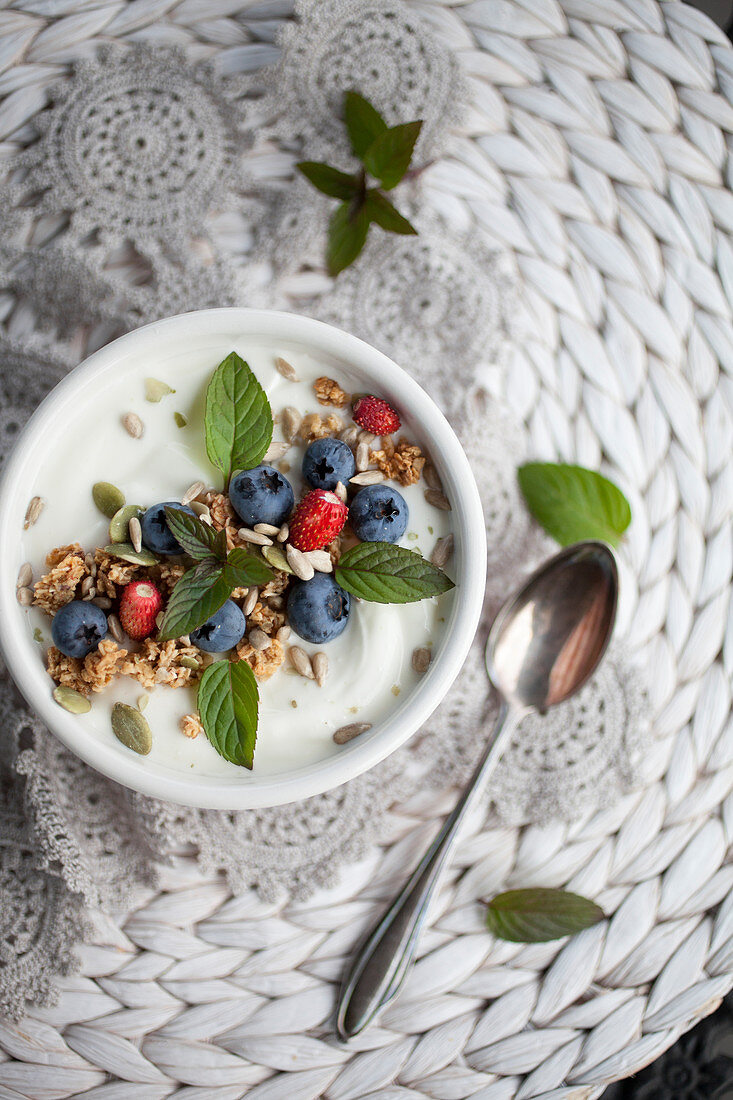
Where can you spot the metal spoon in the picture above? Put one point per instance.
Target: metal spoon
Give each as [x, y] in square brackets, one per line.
[545, 643]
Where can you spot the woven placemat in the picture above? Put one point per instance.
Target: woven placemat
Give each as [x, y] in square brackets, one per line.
[596, 150]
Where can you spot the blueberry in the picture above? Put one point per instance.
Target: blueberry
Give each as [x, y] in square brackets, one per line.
[261, 495]
[222, 631]
[378, 514]
[318, 610]
[156, 533]
[326, 462]
[78, 628]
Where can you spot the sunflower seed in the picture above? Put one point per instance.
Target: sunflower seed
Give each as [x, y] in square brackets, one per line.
[201, 510]
[24, 596]
[155, 390]
[86, 586]
[319, 664]
[192, 492]
[283, 533]
[368, 477]
[136, 534]
[189, 662]
[442, 552]
[108, 498]
[33, 511]
[286, 370]
[366, 437]
[143, 702]
[345, 734]
[251, 602]
[89, 560]
[421, 659]
[115, 628]
[25, 575]
[283, 634]
[90, 595]
[362, 457]
[127, 552]
[258, 639]
[437, 499]
[431, 477]
[71, 700]
[275, 556]
[133, 425]
[129, 727]
[340, 491]
[102, 601]
[320, 560]
[299, 563]
[266, 529]
[277, 450]
[300, 662]
[290, 422]
[252, 536]
[275, 602]
[387, 446]
[119, 525]
[349, 436]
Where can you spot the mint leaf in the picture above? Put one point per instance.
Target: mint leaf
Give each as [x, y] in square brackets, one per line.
[339, 185]
[198, 539]
[199, 593]
[389, 156]
[347, 232]
[363, 122]
[228, 705]
[244, 568]
[383, 213]
[537, 915]
[573, 503]
[238, 419]
[384, 573]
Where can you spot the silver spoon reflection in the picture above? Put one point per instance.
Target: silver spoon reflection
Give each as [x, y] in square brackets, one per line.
[545, 643]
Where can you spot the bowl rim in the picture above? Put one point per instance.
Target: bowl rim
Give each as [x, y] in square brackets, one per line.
[359, 755]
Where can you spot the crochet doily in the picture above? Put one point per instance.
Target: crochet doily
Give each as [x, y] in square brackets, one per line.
[586, 144]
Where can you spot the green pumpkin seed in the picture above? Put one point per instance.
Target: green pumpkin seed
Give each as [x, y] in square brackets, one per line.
[129, 727]
[108, 498]
[155, 389]
[118, 525]
[180, 420]
[274, 556]
[71, 700]
[127, 552]
[190, 662]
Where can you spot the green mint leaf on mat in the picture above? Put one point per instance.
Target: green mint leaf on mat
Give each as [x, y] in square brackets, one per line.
[199, 593]
[364, 124]
[243, 568]
[389, 156]
[332, 182]
[381, 572]
[228, 702]
[385, 215]
[347, 234]
[198, 539]
[238, 418]
[538, 915]
[573, 503]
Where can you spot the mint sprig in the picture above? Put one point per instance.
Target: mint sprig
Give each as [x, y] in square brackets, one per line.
[385, 153]
[228, 704]
[538, 915]
[204, 589]
[238, 418]
[381, 572]
[573, 503]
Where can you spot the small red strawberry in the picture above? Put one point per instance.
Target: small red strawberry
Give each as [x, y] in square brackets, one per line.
[374, 414]
[317, 520]
[139, 606]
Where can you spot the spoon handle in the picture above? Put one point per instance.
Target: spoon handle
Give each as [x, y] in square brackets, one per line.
[381, 965]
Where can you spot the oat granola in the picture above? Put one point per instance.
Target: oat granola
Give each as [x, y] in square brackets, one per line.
[58, 587]
[404, 465]
[264, 662]
[314, 426]
[92, 674]
[328, 392]
[191, 726]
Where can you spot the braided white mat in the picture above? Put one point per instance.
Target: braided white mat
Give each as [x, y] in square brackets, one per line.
[597, 150]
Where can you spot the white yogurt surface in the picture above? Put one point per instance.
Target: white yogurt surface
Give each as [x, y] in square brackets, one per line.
[370, 669]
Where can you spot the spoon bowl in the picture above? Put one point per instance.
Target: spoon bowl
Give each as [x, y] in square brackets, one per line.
[547, 640]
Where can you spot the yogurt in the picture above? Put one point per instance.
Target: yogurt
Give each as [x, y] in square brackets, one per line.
[370, 665]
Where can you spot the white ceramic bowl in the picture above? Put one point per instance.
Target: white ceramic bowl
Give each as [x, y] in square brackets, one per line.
[380, 375]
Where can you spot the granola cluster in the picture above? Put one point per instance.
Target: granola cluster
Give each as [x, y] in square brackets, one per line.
[263, 662]
[314, 426]
[93, 673]
[67, 569]
[191, 725]
[328, 392]
[402, 462]
[175, 663]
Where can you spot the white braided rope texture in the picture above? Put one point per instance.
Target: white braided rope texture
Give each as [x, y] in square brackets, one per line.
[597, 150]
